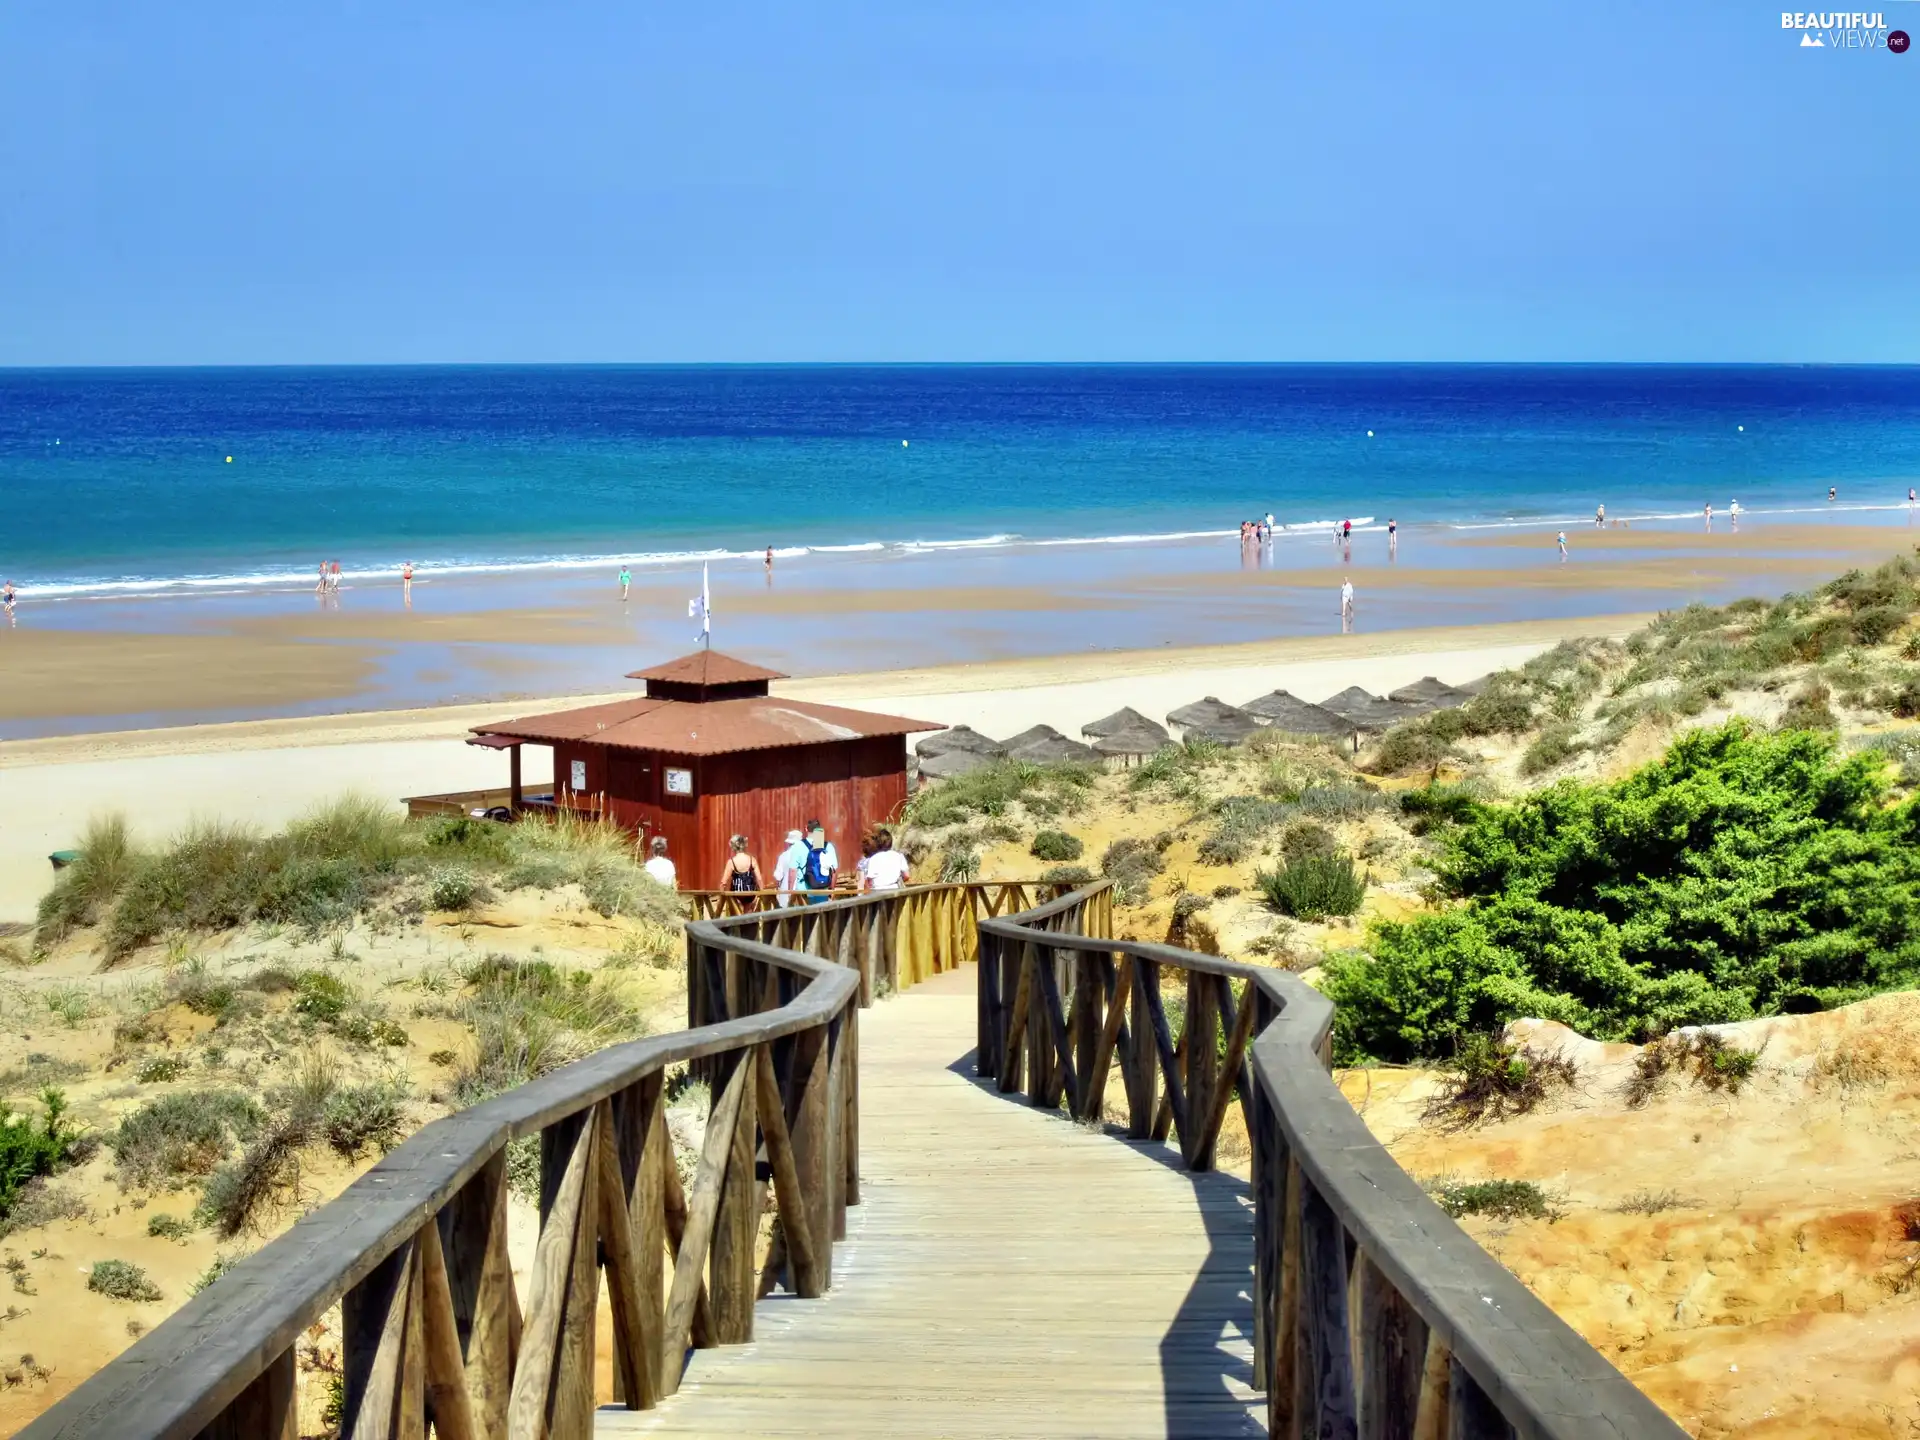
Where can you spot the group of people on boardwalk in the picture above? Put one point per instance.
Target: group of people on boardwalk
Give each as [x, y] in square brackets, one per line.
[806, 870]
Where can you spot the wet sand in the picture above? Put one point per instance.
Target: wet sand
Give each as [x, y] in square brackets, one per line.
[86, 666]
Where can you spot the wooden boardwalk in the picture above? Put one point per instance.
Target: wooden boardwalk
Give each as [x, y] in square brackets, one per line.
[1006, 1274]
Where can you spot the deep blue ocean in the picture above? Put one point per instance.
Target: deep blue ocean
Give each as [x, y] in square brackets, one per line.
[120, 480]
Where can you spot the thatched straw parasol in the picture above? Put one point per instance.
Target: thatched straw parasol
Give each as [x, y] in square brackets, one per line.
[1474, 687]
[1056, 750]
[1364, 711]
[959, 738]
[1125, 718]
[952, 763]
[1044, 745]
[1291, 715]
[1430, 694]
[1133, 742]
[1213, 719]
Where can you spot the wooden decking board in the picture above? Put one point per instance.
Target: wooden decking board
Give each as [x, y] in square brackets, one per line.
[1008, 1273]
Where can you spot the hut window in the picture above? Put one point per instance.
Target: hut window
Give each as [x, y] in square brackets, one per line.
[679, 782]
[579, 774]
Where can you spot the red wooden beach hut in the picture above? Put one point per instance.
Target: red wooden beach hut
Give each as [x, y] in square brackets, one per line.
[707, 753]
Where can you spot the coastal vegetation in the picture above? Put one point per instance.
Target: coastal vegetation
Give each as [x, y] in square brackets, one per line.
[346, 860]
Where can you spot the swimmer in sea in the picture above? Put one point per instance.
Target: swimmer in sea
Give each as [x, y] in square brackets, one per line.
[1832, 493]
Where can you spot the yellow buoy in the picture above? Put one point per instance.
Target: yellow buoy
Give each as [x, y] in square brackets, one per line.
[229, 459]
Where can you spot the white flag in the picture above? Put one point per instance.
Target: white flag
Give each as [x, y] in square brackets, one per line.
[703, 607]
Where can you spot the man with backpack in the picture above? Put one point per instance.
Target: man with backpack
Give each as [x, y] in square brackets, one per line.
[821, 863]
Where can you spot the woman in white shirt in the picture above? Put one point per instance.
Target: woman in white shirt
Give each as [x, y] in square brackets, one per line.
[886, 868]
[659, 867]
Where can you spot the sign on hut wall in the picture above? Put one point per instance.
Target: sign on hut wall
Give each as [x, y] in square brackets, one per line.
[679, 782]
[579, 775]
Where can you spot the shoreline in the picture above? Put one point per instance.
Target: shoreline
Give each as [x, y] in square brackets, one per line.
[266, 772]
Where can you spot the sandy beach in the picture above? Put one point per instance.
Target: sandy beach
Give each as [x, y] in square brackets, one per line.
[268, 771]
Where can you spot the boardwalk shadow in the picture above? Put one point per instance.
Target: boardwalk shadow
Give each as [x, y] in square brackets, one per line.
[1205, 1357]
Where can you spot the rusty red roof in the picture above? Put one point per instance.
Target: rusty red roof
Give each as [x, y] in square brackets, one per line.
[706, 667]
[716, 727]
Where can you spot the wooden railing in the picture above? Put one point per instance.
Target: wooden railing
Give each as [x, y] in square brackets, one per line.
[414, 1252]
[1375, 1315]
[989, 897]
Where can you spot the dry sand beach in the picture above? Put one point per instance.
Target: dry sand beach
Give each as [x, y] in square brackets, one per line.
[266, 772]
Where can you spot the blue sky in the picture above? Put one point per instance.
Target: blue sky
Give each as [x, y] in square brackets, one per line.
[995, 181]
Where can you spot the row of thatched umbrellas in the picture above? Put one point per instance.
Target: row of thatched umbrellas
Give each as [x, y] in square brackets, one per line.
[1127, 734]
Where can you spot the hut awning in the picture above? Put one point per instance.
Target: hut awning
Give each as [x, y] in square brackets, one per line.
[1293, 716]
[494, 742]
[1125, 718]
[716, 727]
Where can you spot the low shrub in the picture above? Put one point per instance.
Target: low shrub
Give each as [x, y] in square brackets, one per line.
[1070, 875]
[359, 1117]
[993, 789]
[959, 864]
[169, 1227]
[1554, 745]
[321, 996]
[1498, 1199]
[83, 890]
[453, 887]
[530, 1017]
[158, 1069]
[181, 1135]
[30, 1149]
[1056, 845]
[1436, 806]
[1131, 864]
[1809, 710]
[1491, 1080]
[122, 1280]
[1314, 887]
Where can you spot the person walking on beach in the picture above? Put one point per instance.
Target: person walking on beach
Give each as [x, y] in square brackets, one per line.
[1346, 604]
[822, 863]
[659, 866]
[333, 577]
[321, 587]
[887, 868]
[1909, 494]
[769, 559]
[1346, 532]
[1599, 516]
[741, 874]
[406, 583]
[1561, 540]
[1393, 536]
[786, 867]
[626, 582]
[1832, 493]
[8, 597]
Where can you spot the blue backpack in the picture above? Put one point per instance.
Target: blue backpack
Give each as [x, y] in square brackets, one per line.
[818, 876]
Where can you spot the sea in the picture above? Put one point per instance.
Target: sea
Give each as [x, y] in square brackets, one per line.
[149, 482]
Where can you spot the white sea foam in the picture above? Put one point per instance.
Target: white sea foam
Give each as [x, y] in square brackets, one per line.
[293, 577]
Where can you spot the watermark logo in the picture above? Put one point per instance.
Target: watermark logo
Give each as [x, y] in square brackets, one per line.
[1844, 30]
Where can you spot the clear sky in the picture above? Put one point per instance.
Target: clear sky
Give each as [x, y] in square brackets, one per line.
[994, 180]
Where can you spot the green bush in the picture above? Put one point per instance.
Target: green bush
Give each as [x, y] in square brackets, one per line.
[1313, 887]
[1491, 1080]
[994, 788]
[1553, 746]
[359, 1117]
[530, 1017]
[320, 996]
[159, 1069]
[1056, 845]
[1809, 710]
[121, 1280]
[169, 1227]
[30, 1149]
[82, 891]
[1434, 807]
[1501, 1199]
[1131, 864]
[1071, 875]
[453, 887]
[181, 1135]
[1743, 874]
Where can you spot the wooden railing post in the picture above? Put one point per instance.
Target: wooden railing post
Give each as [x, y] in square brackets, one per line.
[737, 1225]
[1142, 1076]
[1323, 1317]
[811, 1143]
[1393, 1351]
[265, 1410]
[1086, 1020]
[1472, 1416]
[1202, 1069]
[384, 1369]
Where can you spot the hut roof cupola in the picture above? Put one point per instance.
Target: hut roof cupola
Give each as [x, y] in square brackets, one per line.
[706, 675]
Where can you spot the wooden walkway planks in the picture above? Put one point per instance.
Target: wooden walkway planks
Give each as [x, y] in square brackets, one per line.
[1007, 1273]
